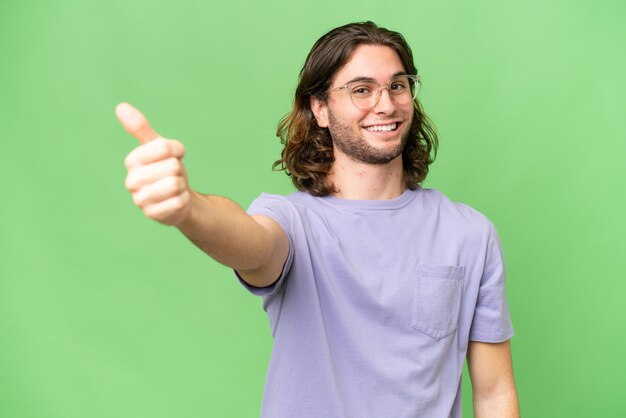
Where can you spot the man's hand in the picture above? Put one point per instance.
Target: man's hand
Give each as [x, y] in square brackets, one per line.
[156, 175]
[256, 247]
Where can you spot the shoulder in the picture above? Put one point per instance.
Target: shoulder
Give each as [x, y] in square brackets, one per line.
[276, 201]
[456, 214]
[283, 209]
[438, 199]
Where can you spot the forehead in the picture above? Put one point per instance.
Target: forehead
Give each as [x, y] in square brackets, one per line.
[378, 62]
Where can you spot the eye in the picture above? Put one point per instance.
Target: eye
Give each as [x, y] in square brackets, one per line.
[399, 86]
[361, 90]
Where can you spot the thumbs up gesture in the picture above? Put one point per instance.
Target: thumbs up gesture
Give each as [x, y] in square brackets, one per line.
[156, 175]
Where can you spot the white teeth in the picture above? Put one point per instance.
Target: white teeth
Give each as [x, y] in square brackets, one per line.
[382, 128]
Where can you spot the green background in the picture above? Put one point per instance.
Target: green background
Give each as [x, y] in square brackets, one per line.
[104, 313]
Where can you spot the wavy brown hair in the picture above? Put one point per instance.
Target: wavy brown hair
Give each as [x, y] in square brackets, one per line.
[307, 156]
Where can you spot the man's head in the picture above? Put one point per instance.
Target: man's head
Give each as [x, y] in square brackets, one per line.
[309, 129]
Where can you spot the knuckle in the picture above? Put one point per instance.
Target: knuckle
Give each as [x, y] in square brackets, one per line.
[175, 166]
[129, 161]
[182, 185]
[173, 184]
[157, 213]
[179, 145]
[131, 182]
[178, 203]
[139, 200]
[185, 197]
[152, 214]
[162, 147]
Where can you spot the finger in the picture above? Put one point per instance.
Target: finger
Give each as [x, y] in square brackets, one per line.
[157, 150]
[159, 191]
[143, 175]
[166, 210]
[135, 123]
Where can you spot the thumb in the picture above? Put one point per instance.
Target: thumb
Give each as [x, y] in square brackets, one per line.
[135, 123]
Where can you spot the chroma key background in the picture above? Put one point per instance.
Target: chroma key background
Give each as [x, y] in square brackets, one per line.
[104, 313]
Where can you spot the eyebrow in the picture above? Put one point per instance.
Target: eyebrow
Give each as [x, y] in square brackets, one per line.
[362, 78]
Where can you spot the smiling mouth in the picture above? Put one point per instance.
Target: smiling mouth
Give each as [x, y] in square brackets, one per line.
[382, 128]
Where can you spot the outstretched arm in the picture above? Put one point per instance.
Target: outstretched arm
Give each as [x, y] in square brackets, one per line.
[255, 246]
[491, 371]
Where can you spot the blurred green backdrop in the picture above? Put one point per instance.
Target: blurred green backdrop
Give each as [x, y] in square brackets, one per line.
[104, 313]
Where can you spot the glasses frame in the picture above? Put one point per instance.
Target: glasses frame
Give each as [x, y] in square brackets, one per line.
[377, 93]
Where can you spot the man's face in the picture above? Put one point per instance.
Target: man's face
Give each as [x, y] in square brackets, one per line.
[367, 136]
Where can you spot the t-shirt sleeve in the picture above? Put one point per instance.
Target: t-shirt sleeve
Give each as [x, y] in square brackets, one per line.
[281, 210]
[492, 320]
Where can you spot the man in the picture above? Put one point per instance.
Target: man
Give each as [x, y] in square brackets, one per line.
[376, 289]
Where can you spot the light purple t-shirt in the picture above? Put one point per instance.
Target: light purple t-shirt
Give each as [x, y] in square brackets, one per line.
[377, 301]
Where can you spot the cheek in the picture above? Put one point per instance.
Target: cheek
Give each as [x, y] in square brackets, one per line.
[347, 118]
[409, 110]
[410, 116]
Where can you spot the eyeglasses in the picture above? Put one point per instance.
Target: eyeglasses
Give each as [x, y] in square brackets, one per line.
[365, 94]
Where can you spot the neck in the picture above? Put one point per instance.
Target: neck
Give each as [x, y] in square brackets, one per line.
[360, 181]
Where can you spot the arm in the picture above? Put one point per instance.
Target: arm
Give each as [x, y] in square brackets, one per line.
[257, 247]
[491, 372]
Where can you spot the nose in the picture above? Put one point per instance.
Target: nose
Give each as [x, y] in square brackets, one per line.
[385, 103]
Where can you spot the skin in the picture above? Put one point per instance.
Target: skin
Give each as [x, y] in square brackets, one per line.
[491, 371]
[356, 148]
[368, 165]
[255, 246]
[353, 172]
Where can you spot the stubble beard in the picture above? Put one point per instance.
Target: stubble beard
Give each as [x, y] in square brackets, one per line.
[355, 147]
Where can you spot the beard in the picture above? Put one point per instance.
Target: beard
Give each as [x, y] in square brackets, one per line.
[354, 145]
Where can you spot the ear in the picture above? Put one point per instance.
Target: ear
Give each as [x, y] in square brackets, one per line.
[320, 111]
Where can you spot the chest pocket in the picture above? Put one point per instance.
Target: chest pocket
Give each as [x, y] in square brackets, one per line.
[437, 299]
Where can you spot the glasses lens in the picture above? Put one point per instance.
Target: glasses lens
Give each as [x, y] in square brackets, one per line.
[365, 94]
[403, 89]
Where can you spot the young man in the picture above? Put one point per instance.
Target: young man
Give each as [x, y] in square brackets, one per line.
[376, 289]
